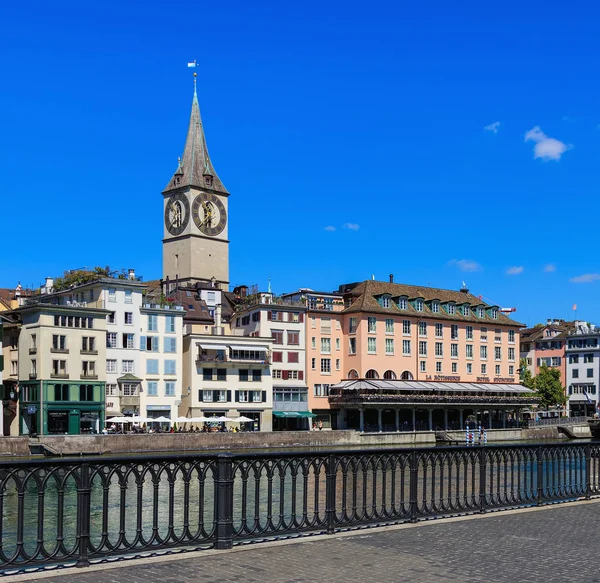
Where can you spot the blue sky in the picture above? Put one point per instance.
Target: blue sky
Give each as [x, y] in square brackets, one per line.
[437, 142]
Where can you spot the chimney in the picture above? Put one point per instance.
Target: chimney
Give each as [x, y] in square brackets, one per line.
[131, 274]
[391, 278]
[217, 328]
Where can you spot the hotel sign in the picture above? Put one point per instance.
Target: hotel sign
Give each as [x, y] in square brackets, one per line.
[443, 378]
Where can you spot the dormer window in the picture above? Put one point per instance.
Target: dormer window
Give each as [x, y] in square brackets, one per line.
[494, 313]
[385, 301]
[177, 180]
[208, 180]
[466, 310]
[435, 307]
[402, 303]
[481, 312]
[451, 308]
[419, 305]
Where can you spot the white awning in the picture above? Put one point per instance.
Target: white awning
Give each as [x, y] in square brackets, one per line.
[212, 346]
[249, 347]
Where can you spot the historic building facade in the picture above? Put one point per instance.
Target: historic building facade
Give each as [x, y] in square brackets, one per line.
[546, 344]
[62, 360]
[583, 369]
[263, 315]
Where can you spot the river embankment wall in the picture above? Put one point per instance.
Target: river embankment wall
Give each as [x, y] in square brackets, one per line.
[204, 442]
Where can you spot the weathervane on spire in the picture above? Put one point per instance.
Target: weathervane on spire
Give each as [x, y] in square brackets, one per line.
[193, 65]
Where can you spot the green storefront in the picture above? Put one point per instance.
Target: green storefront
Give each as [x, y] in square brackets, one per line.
[59, 408]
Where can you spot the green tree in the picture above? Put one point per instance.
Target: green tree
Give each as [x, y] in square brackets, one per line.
[549, 387]
[525, 374]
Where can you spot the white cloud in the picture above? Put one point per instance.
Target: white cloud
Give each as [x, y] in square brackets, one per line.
[585, 278]
[516, 270]
[493, 127]
[465, 265]
[330, 228]
[549, 268]
[545, 148]
[351, 226]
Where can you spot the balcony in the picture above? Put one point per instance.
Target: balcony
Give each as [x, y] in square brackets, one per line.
[89, 376]
[33, 351]
[231, 360]
[60, 350]
[209, 358]
[88, 352]
[32, 376]
[59, 375]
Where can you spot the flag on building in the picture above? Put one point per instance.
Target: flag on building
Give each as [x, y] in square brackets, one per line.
[192, 64]
[575, 307]
[587, 397]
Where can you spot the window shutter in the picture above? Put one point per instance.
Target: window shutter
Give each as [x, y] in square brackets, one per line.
[201, 395]
[285, 375]
[142, 342]
[301, 317]
[269, 316]
[300, 375]
[259, 316]
[237, 396]
[229, 396]
[264, 396]
[215, 396]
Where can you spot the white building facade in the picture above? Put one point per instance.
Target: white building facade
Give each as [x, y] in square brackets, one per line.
[161, 343]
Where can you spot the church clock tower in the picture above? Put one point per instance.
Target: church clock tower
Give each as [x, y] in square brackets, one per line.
[195, 243]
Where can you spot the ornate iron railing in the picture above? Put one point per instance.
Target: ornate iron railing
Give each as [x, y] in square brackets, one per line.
[73, 511]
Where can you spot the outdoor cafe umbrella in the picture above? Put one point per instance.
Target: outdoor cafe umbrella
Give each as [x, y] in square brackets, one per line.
[221, 419]
[117, 420]
[160, 420]
[242, 419]
[201, 419]
[184, 420]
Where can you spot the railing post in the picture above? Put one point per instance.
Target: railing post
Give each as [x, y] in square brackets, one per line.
[482, 480]
[83, 515]
[540, 476]
[413, 480]
[224, 502]
[330, 509]
[588, 471]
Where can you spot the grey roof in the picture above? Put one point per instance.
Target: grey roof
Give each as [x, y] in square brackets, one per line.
[195, 166]
[428, 386]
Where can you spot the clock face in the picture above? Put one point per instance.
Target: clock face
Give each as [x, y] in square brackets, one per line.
[177, 213]
[209, 214]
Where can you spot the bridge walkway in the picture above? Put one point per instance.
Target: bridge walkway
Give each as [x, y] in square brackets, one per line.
[523, 545]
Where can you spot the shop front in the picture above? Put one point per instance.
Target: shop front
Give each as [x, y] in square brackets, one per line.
[50, 408]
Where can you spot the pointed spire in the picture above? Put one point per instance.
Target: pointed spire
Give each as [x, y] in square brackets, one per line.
[195, 168]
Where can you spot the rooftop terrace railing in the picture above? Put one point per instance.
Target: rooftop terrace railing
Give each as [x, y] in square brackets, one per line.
[79, 511]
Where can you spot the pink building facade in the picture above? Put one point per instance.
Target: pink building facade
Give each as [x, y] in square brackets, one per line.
[387, 333]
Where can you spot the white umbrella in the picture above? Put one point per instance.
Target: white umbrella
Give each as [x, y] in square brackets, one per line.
[136, 419]
[183, 420]
[160, 420]
[242, 419]
[116, 420]
[221, 419]
[201, 419]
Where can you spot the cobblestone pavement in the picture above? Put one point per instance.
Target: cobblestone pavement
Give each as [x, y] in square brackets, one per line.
[554, 543]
